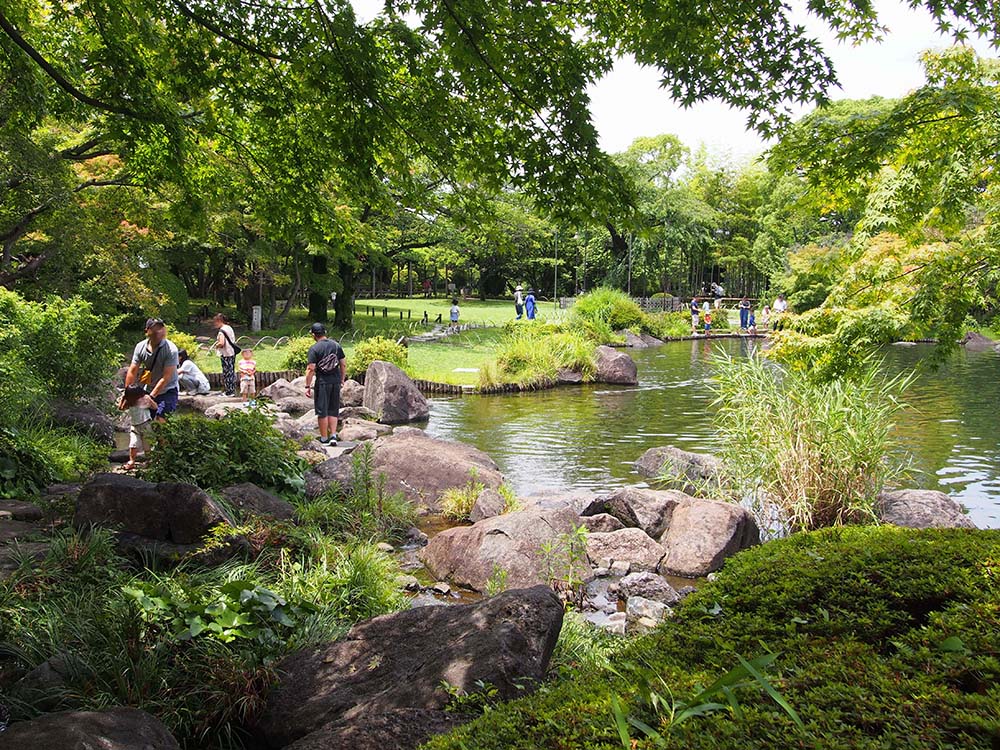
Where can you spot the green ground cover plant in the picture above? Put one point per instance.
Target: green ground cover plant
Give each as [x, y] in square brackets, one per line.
[819, 452]
[880, 637]
[532, 355]
[215, 453]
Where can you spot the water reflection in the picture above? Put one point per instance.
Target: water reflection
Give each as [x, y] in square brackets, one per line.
[588, 436]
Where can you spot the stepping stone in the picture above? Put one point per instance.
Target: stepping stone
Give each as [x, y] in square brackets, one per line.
[15, 530]
[19, 511]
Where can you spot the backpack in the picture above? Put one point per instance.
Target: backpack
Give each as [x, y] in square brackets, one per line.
[329, 364]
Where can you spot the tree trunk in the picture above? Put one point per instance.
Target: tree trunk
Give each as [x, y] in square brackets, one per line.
[318, 301]
[343, 306]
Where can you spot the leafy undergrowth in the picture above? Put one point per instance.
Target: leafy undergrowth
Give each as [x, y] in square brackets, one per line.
[870, 637]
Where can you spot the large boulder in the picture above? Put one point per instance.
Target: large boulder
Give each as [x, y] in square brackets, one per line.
[489, 504]
[86, 419]
[282, 388]
[168, 511]
[414, 463]
[649, 586]
[113, 729]
[626, 545]
[513, 542]
[602, 522]
[401, 660]
[651, 510]
[576, 500]
[613, 505]
[703, 533]
[391, 394]
[12, 531]
[921, 509]
[252, 500]
[402, 729]
[352, 393]
[682, 470]
[19, 510]
[976, 342]
[634, 341]
[613, 366]
[202, 402]
[294, 404]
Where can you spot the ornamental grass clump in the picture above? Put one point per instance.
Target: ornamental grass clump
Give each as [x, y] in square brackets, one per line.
[807, 454]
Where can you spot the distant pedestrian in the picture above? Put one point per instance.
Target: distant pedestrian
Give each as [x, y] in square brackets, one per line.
[752, 323]
[529, 304]
[454, 312]
[327, 366]
[248, 376]
[744, 312]
[427, 288]
[519, 301]
[708, 323]
[695, 315]
[225, 345]
[765, 316]
[780, 305]
[190, 378]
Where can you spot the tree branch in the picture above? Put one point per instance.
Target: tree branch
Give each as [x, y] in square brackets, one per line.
[217, 30]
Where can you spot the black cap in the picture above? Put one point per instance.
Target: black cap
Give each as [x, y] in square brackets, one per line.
[317, 329]
[151, 322]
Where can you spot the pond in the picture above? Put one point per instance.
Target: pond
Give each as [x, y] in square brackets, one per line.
[588, 436]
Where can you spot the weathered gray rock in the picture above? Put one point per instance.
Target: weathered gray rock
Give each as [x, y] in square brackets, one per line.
[282, 388]
[650, 340]
[921, 509]
[629, 545]
[488, 504]
[601, 522]
[976, 342]
[294, 429]
[85, 418]
[568, 377]
[575, 500]
[634, 341]
[402, 729]
[203, 402]
[638, 607]
[358, 430]
[114, 729]
[468, 555]
[615, 366]
[616, 623]
[400, 660]
[352, 393]
[46, 684]
[652, 509]
[684, 470]
[391, 394]
[703, 533]
[414, 463]
[11, 530]
[615, 505]
[294, 404]
[170, 512]
[648, 586]
[254, 501]
[357, 412]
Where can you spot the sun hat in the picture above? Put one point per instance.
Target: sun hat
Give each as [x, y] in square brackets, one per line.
[519, 288]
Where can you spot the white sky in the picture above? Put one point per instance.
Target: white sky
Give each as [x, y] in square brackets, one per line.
[628, 102]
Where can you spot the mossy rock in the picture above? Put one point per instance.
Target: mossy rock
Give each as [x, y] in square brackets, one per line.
[887, 638]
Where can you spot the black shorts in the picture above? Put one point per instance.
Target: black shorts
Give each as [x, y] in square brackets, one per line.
[326, 398]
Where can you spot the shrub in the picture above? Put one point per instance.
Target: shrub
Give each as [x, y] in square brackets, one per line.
[532, 355]
[814, 454]
[457, 502]
[215, 453]
[669, 325]
[611, 307]
[23, 468]
[376, 348]
[879, 637]
[71, 455]
[185, 341]
[296, 353]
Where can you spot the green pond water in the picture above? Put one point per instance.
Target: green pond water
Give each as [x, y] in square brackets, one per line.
[589, 436]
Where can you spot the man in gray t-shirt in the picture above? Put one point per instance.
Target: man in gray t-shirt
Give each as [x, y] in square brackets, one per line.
[154, 366]
[327, 366]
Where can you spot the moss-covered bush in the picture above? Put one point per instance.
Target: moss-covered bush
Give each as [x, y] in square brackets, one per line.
[886, 638]
[532, 355]
[214, 453]
[612, 307]
[185, 341]
[297, 352]
[377, 347]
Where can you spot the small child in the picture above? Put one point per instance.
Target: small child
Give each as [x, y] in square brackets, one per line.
[247, 367]
[708, 322]
[752, 323]
[141, 408]
[454, 311]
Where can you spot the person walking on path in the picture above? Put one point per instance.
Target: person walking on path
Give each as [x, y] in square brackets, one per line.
[695, 316]
[529, 304]
[744, 312]
[225, 345]
[454, 312]
[518, 301]
[328, 368]
[190, 378]
[154, 366]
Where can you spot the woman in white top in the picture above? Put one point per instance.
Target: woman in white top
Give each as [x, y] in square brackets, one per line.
[225, 344]
[189, 376]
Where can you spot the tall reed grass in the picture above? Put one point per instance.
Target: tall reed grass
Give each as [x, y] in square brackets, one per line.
[809, 454]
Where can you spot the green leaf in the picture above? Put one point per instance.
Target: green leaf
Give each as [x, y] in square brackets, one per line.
[953, 645]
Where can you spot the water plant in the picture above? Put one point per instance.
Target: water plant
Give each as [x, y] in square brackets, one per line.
[811, 454]
[457, 502]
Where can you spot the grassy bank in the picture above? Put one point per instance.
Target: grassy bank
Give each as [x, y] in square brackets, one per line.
[856, 638]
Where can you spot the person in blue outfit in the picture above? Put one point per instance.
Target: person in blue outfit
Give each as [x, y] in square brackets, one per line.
[744, 312]
[529, 304]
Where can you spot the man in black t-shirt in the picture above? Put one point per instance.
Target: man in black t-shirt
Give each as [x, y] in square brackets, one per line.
[327, 366]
